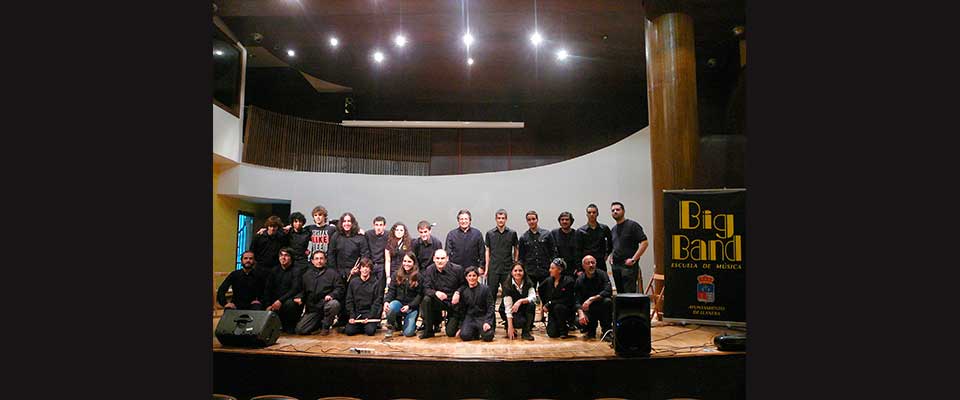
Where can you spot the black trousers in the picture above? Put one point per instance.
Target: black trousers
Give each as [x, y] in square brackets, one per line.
[368, 328]
[559, 315]
[431, 308]
[289, 314]
[600, 311]
[523, 318]
[472, 329]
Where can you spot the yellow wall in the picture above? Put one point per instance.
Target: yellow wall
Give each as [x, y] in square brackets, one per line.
[225, 211]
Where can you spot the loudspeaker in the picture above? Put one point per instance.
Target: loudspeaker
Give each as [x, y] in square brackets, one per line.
[631, 325]
[248, 328]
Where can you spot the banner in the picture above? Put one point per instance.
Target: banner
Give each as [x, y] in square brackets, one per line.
[704, 268]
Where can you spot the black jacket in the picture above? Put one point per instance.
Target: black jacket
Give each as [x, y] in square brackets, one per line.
[589, 287]
[247, 287]
[476, 302]
[317, 284]
[299, 241]
[448, 281]
[536, 253]
[364, 298]
[283, 284]
[406, 295]
[345, 251]
[569, 248]
[562, 294]
[266, 249]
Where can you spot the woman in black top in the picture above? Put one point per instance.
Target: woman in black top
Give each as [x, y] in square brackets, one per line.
[556, 294]
[363, 301]
[477, 305]
[404, 294]
[518, 307]
[398, 243]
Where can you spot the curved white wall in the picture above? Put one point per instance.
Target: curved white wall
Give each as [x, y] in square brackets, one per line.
[620, 172]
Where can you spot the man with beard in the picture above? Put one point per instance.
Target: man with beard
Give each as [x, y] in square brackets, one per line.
[247, 285]
[629, 243]
[595, 238]
[567, 240]
[283, 286]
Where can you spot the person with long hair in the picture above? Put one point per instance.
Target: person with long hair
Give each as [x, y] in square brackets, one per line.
[519, 302]
[402, 303]
[398, 244]
[363, 300]
[347, 247]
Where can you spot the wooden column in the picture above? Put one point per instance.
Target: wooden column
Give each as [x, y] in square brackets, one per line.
[672, 105]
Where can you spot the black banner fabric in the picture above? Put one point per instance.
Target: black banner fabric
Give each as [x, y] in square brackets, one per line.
[704, 269]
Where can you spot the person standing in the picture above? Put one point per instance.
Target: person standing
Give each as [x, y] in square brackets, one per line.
[320, 232]
[377, 242]
[298, 239]
[568, 244]
[465, 243]
[501, 251]
[629, 243]
[266, 246]
[595, 238]
[425, 245]
[398, 244]
[347, 247]
[536, 249]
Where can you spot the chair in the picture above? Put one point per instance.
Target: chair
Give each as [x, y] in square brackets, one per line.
[273, 397]
[656, 299]
[217, 396]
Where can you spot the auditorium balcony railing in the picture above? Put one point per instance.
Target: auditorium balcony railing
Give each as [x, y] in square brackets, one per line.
[282, 141]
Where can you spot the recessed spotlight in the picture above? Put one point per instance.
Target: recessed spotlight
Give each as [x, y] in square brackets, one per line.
[218, 52]
[467, 39]
[470, 61]
[378, 56]
[334, 42]
[291, 53]
[562, 54]
[536, 39]
[400, 40]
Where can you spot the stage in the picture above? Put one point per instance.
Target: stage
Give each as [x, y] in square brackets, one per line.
[683, 363]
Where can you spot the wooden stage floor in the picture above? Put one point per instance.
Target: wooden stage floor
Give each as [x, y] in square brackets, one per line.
[668, 340]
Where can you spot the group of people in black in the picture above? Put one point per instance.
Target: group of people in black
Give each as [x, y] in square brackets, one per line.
[323, 277]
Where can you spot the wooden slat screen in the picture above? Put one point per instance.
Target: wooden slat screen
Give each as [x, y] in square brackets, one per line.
[282, 141]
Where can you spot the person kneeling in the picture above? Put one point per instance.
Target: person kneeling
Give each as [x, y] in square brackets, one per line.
[477, 305]
[364, 297]
[519, 303]
[556, 293]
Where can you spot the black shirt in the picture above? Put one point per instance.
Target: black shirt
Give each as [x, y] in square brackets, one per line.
[317, 284]
[465, 248]
[537, 250]
[424, 251]
[586, 288]
[562, 294]
[476, 302]
[376, 244]
[596, 242]
[266, 249]
[447, 281]
[501, 248]
[247, 287]
[299, 241]
[283, 284]
[405, 294]
[627, 236]
[364, 298]
[346, 250]
[568, 248]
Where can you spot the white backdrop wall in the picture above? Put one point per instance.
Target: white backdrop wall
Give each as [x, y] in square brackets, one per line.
[226, 134]
[619, 172]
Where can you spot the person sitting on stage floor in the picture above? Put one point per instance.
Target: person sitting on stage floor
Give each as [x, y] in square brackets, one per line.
[247, 285]
[403, 298]
[556, 293]
[440, 281]
[266, 246]
[364, 297]
[477, 303]
[321, 289]
[518, 307]
[593, 303]
[282, 287]
[347, 246]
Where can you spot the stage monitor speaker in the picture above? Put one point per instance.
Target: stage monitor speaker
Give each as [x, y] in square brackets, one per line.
[248, 328]
[631, 325]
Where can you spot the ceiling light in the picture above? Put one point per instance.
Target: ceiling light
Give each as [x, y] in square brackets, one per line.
[218, 52]
[291, 53]
[400, 40]
[562, 54]
[334, 42]
[536, 39]
[467, 39]
[470, 61]
[378, 56]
